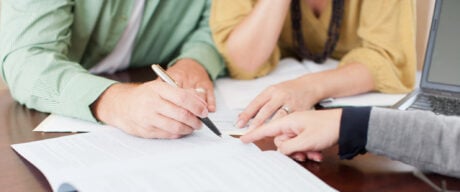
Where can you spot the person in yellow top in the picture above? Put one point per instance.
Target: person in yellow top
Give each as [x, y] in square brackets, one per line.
[374, 41]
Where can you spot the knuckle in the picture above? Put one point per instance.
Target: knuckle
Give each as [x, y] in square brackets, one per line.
[271, 89]
[177, 128]
[183, 115]
[196, 123]
[282, 95]
[183, 97]
[187, 131]
[147, 133]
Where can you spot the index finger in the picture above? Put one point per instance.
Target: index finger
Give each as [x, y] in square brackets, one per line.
[252, 109]
[268, 130]
[211, 99]
[185, 99]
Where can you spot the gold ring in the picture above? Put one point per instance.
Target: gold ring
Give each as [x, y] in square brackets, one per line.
[286, 109]
[200, 90]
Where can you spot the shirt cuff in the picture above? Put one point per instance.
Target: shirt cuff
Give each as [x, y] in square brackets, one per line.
[83, 90]
[353, 131]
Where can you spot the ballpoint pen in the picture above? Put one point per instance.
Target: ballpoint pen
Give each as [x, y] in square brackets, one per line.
[166, 78]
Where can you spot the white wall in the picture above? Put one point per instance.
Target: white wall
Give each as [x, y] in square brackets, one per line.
[424, 14]
[2, 84]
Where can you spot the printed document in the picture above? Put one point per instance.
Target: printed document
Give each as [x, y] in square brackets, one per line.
[110, 160]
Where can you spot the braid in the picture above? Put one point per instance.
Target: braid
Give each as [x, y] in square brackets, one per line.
[333, 31]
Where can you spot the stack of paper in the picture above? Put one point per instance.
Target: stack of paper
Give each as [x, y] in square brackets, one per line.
[110, 160]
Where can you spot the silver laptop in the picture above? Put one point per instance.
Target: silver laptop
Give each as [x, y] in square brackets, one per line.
[440, 83]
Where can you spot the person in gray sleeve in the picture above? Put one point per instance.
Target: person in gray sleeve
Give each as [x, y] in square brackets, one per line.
[428, 141]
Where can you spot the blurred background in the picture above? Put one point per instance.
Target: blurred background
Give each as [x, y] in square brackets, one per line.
[424, 14]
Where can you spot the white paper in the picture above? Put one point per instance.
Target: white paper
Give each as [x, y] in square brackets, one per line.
[366, 99]
[224, 121]
[237, 94]
[110, 160]
[59, 123]
[225, 118]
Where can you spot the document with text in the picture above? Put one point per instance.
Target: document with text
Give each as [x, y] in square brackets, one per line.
[110, 160]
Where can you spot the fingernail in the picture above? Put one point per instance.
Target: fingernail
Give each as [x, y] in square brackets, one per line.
[239, 124]
[212, 108]
[299, 159]
[317, 159]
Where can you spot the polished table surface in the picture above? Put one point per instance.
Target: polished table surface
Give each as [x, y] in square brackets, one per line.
[364, 173]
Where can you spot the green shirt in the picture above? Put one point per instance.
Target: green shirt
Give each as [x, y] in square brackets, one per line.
[46, 46]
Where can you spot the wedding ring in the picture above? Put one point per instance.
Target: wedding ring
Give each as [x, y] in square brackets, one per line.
[200, 90]
[286, 109]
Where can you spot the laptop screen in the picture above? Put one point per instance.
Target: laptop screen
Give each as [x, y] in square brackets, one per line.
[445, 62]
[443, 51]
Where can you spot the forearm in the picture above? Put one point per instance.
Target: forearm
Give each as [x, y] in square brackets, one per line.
[430, 142]
[259, 31]
[344, 81]
[53, 86]
[37, 68]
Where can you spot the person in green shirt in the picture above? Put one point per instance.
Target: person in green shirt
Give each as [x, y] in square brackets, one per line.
[49, 47]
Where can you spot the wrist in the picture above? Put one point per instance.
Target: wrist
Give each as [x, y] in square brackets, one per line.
[107, 106]
[314, 88]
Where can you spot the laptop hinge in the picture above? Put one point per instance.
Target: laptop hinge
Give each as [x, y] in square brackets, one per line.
[441, 93]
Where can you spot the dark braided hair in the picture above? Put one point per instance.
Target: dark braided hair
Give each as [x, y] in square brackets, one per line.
[333, 32]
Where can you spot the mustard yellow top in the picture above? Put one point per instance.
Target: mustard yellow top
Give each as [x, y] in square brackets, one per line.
[378, 34]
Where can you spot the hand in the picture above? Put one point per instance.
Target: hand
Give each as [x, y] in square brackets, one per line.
[190, 74]
[295, 95]
[151, 110]
[302, 93]
[298, 156]
[301, 133]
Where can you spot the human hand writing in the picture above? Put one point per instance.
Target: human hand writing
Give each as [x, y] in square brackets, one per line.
[190, 74]
[151, 110]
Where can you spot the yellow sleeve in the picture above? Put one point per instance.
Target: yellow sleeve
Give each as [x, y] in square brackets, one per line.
[387, 31]
[225, 16]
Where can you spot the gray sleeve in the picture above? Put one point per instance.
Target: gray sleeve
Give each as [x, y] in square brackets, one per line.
[427, 141]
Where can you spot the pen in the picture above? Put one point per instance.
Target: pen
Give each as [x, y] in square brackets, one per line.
[327, 100]
[166, 78]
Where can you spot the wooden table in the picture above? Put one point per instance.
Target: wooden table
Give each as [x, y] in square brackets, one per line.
[364, 173]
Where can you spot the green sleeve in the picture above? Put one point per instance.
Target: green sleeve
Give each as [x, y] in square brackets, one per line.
[200, 47]
[34, 59]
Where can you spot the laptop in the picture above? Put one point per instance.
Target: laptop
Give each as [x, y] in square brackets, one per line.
[440, 82]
